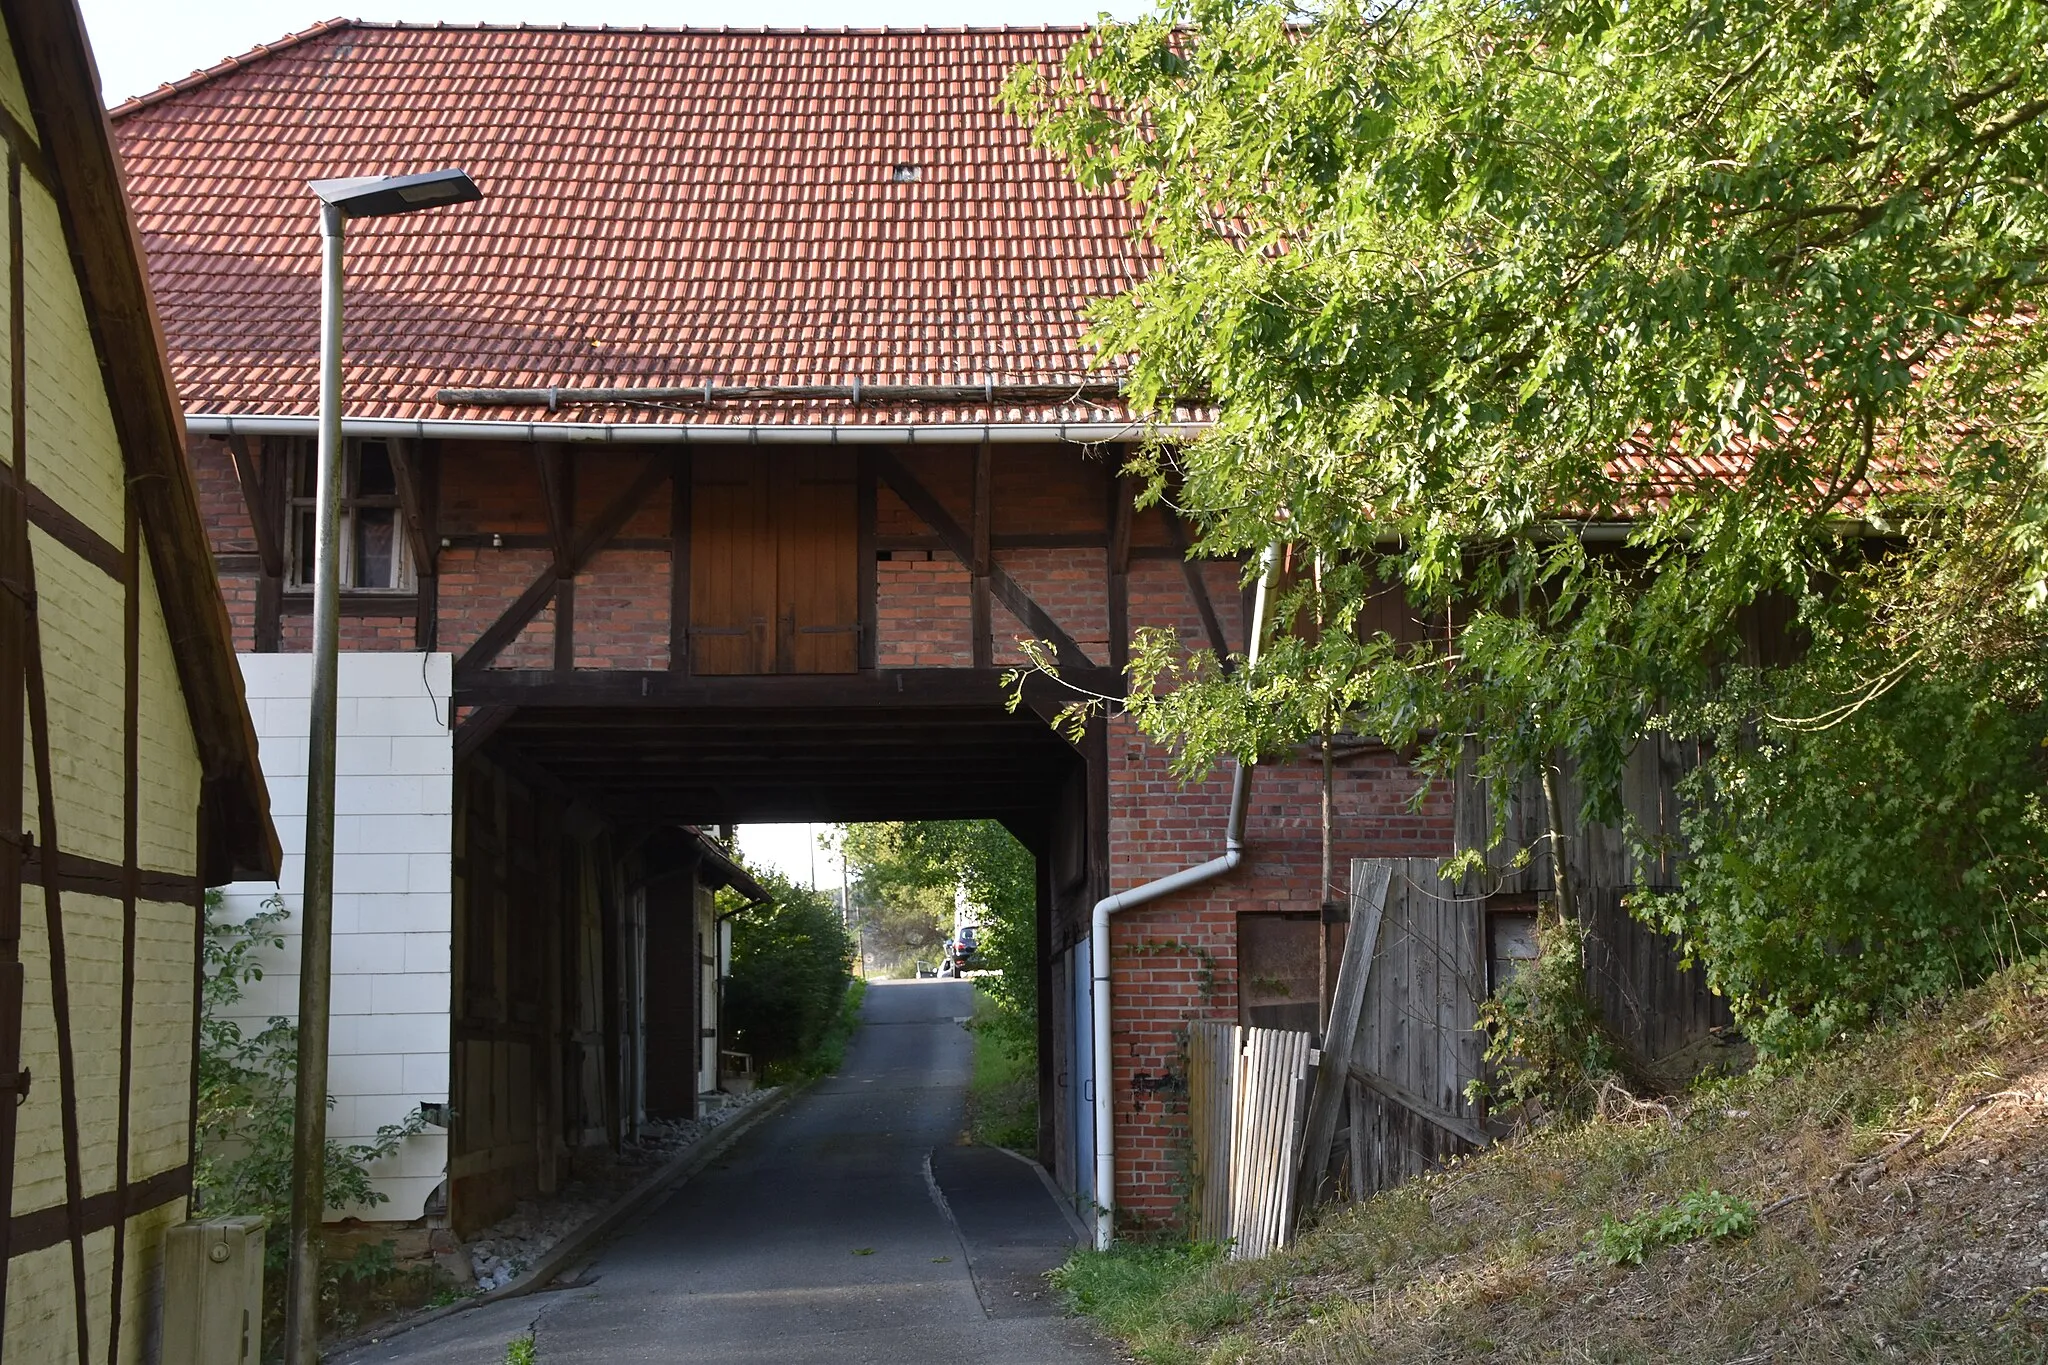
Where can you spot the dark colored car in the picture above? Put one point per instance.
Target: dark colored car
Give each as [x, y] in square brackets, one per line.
[963, 952]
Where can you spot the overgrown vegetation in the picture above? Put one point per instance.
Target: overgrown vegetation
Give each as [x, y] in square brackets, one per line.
[243, 1165]
[1546, 1049]
[925, 862]
[1878, 1201]
[1613, 338]
[1002, 1098]
[787, 995]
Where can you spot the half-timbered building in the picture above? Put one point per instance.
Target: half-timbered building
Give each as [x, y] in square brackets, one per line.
[711, 470]
[133, 776]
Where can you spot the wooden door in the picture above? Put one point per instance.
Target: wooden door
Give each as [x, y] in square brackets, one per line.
[816, 559]
[732, 564]
[774, 558]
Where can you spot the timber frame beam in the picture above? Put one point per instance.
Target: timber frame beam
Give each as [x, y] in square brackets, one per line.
[1191, 570]
[582, 549]
[262, 474]
[961, 545]
[419, 508]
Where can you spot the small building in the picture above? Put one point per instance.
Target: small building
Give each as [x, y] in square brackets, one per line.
[132, 781]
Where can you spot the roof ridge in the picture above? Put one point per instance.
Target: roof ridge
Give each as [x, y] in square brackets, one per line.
[236, 63]
[230, 65]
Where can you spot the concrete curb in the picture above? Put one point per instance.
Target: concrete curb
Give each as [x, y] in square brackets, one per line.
[1059, 1198]
[564, 1253]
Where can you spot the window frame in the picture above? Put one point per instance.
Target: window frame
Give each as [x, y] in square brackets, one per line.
[300, 505]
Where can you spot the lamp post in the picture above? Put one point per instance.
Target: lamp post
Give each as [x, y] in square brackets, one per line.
[376, 196]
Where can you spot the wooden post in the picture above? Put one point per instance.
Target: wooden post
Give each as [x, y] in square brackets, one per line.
[679, 514]
[1120, 510]
[867, 583]
[1369, 881]
[983, 627]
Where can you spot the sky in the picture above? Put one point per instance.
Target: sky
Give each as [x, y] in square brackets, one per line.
[794, 850]
[141, 44]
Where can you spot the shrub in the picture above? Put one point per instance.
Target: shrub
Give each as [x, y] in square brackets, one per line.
[1836, 871]
[1545, 1042]
[791, 963]
[248, 1084]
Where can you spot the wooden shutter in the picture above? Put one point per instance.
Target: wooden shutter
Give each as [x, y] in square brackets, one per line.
[732, 564]
[774, 563]
[817, 556]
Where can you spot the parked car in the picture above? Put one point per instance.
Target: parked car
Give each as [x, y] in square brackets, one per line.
[963, 952]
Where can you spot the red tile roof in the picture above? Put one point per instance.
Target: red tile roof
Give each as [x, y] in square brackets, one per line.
[662, 207]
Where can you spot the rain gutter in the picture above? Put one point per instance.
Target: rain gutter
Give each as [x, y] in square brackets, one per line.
[1098, 939]
[692, 434]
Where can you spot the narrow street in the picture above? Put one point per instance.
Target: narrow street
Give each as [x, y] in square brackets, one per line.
[819, 1236]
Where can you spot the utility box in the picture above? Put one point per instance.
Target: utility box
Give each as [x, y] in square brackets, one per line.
[213, 1293]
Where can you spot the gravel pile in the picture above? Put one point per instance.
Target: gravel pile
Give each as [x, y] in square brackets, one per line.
[502, 1252]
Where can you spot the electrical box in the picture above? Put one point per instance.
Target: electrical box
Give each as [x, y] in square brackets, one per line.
[213, 1293]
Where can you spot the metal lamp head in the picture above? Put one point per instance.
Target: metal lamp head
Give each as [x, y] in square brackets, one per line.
[383, 196]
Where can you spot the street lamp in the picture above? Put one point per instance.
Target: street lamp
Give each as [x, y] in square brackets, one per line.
[374, 196]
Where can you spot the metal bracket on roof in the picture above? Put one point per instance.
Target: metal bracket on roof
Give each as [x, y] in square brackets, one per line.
[707, 393]
[555, 399]
[856, 390]
[988, 389]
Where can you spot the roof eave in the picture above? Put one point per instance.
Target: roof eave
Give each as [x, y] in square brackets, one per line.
[61, 81]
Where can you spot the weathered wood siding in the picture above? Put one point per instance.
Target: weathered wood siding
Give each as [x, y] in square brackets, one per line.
[1418, 1024]
[1654, 1005]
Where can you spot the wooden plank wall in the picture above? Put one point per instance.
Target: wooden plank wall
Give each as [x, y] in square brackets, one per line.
[1418, 1026]
[1654, 1006]
[548, 1041]
[1212, 1074]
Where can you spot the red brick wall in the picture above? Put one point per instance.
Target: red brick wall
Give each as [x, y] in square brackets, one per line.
[622, 610]
[1175, 961]
[922, 615]
[1072, 587]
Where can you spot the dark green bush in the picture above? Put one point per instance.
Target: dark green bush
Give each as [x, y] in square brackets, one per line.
[791, 962]
[1839, 868]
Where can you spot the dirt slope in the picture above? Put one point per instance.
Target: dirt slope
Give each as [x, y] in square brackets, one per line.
[1900, 1193]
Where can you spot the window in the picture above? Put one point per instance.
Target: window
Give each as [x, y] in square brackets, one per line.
[1510, 941]
[373, 557]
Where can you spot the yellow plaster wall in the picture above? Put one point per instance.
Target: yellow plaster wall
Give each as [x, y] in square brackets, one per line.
[79, 607]
[168, 840]
[41, 1318]
[73, 456]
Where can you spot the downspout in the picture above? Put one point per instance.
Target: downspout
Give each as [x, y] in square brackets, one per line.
[1098, 938]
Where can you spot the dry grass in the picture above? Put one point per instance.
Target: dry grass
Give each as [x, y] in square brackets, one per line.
[1902, 1182]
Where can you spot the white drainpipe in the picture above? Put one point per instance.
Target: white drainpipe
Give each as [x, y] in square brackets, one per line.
[1098, 940]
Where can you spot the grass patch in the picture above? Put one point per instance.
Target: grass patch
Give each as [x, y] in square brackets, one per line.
[1002, 1099]
[519, 1350]
[1157, 1297]
[1880, 1202]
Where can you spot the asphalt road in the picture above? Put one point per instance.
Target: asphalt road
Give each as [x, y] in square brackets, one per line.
[849, 1228]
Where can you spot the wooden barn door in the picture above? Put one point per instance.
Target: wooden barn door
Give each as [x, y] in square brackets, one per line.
[774, 563]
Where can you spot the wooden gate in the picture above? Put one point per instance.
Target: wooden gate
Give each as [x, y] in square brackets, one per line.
[774, 563]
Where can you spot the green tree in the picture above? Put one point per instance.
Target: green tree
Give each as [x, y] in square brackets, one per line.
[1586, 327]
[920, 861]
[792, 961]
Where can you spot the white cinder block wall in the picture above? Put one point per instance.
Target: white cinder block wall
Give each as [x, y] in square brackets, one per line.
[394, 809]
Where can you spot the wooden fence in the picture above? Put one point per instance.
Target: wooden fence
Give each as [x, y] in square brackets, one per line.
[1247, 1093]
